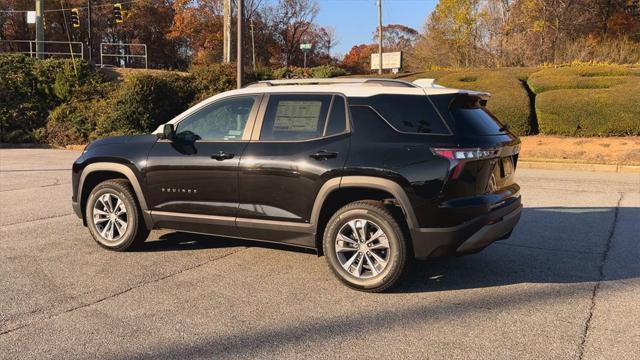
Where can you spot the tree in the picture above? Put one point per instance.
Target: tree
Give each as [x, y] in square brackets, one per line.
[291, 21]
[328, 38]
[397, 37]
[358, 59]
[198, 26]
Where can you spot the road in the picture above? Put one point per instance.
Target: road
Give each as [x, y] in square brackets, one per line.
[565, 286]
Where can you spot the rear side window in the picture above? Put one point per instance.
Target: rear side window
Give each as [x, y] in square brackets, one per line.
[338, 117]
[409, 113]
[295, 117]
[471, 118]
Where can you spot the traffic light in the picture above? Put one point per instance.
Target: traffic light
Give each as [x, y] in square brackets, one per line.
[117, 13]
[75, 18]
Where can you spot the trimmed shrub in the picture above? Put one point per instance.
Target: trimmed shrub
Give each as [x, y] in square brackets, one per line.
[509, 98]
[144, 102]
[588, 100]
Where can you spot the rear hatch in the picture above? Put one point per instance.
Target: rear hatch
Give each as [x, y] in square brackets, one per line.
[485, 154]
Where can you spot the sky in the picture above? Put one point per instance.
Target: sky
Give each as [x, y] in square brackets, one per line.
[356, 20]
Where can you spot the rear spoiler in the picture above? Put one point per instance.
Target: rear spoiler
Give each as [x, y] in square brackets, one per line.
[431, 85]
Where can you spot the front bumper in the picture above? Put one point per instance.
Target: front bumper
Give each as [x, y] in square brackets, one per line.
[469, 237]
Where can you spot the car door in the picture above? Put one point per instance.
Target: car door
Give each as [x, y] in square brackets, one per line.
[194, 185]
[299, 141]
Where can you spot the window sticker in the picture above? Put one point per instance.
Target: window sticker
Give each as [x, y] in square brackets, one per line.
[300, 116]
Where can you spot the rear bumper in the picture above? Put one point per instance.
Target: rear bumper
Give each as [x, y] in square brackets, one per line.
[469, 237]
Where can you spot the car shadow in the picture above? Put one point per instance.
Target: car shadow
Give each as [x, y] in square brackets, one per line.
[549, 245]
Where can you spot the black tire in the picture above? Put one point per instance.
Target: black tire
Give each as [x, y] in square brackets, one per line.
[135, 232]
[373, 212]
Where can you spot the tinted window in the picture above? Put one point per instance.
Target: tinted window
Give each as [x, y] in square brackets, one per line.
[295, 117]
[338, 118]
[471, 118]
[368, 124]
[223, 120]
[409, 113]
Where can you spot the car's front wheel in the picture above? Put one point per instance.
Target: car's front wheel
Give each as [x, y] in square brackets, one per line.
[365, 246]
[113, 216]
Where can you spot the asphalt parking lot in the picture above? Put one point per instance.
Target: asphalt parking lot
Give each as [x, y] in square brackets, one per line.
[565, 286]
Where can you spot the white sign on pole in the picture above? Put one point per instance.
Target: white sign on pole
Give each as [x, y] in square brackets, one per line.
[392, 60]
[31, 17]
[305, 47]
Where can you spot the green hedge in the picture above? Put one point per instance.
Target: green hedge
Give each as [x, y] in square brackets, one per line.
[44, 100]
[145, 101]
[588, 100]
[322, 72]
[509, 98]
[30, 88]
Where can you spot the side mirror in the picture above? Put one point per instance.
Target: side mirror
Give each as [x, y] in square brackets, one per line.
[168, 132]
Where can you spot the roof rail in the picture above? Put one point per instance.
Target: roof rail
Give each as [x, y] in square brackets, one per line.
[354, 81]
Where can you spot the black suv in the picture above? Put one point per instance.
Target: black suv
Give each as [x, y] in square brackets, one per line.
[368, 172]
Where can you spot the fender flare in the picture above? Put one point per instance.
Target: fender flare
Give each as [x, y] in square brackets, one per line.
[371, 182]
[128, 173]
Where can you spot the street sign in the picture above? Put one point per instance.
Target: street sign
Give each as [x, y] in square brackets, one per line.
[305, 47]
[31, 17]
[392, 60]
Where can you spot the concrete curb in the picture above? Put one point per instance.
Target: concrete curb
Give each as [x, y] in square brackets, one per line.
[558, 165]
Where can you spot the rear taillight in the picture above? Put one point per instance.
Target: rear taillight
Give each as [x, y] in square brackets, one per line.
[459, 156]
[466, 153]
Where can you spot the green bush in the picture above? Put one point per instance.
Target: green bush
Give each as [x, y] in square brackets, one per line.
[145, 101]
[588, 100]
[509, 98]
[327, 71]
[74, 122]
[20, 109]
[322, 72]
[209, 80]
[30, 88]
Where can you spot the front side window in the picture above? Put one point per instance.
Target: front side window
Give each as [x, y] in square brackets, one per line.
[224, 120]
[295, 117]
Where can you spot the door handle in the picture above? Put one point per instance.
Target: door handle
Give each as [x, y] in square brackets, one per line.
[324, 155]
[222, 156]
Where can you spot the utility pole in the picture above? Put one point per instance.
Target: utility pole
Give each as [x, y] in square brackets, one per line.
[253, 45]
[380, 37]
[226, 32]
[40, 29]
[239, 59]
[89, 42]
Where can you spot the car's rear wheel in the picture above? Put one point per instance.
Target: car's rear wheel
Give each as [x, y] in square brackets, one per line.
[113, 216]
[365, 246]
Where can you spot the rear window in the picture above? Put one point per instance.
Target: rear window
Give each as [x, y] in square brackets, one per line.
[471, 118]
[409, 113]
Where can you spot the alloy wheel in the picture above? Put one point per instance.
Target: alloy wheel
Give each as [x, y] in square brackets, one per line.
[110, 217]
[362, 248]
